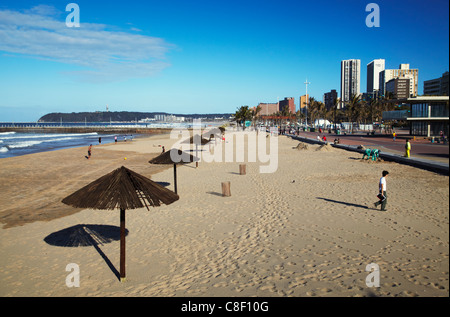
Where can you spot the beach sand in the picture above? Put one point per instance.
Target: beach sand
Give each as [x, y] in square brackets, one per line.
[310, 229]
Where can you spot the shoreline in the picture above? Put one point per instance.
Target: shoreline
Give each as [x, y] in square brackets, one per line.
[105, 130]
[24, 150]
[307, 230]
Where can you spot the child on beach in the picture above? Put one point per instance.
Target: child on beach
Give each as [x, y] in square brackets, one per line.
[382, 195]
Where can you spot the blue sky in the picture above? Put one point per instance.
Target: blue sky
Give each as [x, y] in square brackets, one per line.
[202, 56]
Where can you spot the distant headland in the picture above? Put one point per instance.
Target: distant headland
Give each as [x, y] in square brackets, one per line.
[129, 116]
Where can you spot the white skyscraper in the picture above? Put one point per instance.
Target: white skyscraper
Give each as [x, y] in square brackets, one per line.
[350, 78]
[373, 75]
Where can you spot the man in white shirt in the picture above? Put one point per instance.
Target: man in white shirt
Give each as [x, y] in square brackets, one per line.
[382, 195]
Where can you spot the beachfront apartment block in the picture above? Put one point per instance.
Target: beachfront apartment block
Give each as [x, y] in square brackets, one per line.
[373, 75]
[267, 109]
[402, 72]
[350, 78]
[289, 102]
[329, 99]
[303, 102]
[168, 118]
[399, 87]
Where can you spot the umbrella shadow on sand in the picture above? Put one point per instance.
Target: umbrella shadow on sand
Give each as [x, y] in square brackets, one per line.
[122, 189]
[86, 236]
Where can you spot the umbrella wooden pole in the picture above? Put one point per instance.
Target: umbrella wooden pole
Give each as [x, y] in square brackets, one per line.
[122, 245]
[175, 177]
[196, 154]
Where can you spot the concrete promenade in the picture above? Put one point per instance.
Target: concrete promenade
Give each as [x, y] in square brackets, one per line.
[424, 154]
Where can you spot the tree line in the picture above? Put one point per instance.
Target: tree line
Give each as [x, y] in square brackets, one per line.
[356, 110]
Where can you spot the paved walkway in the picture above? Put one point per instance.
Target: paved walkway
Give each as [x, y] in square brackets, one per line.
[424, 154]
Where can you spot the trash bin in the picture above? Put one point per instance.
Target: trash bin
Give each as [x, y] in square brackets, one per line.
[338, 131]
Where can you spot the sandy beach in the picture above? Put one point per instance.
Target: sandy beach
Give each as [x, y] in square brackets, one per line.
[309, 229]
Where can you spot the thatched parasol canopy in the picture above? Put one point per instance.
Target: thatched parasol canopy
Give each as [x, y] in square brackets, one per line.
[165, 158]
[123, 189]
[196, 137]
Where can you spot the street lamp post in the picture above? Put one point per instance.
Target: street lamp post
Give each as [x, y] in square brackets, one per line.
[306, 107]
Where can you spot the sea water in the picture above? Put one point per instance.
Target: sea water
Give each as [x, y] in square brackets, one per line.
[18, 144]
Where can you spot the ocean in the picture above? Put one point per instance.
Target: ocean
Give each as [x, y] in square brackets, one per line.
[18, 144]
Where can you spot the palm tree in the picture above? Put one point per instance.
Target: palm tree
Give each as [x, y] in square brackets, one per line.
[312, 110]
[255, 113]
[373, 104]
[364, 112]
[243, 114]
[352, 109]
[386, 104]
[322, 111]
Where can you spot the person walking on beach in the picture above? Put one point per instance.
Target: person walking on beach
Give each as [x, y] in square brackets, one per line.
[382, 192]
[100, 140]
[115, 139]
[394, 135]
[89, 151]
[407, 148]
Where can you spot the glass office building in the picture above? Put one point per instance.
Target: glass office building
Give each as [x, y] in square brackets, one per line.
[428, 115]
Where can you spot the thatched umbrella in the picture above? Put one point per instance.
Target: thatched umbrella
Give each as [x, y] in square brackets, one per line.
[166, 158]
[121, 189]
[197, 140]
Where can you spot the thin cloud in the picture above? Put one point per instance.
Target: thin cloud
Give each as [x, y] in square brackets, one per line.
[107, 55]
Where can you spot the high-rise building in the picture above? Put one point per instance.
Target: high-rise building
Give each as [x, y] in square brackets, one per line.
[329, 99]
[403, 72]
[399, 87]
[436, 87]
[287, 102]
[303, 101]
[350, 78]
[373, 75]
